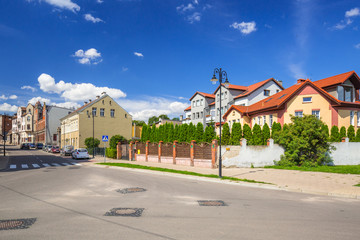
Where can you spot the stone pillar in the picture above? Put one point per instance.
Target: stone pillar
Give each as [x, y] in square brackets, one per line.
[174, 151]
[345, 139]
[160, 151]
[147, 150]
[192, 152]
[243, 143]
[118, 151]
[270, 142]
[214, 146]
[131, 152]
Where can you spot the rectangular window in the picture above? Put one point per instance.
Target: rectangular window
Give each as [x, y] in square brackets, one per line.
[352, 118]
[197, 103]
[225, 95]
[266, 92]
[348, 94]
[102, 112]
[197, 115]
[201, 102]
[358, 118]
[316, 113]
[193, 103]
[259, 120]
[112, 112]
[271, 120]
[94, 111]
[264, 120]
[201, 114]
[218, 112]
[307, 99]
[222, 111]
[298, 113]
[193, 115]
[55, 137]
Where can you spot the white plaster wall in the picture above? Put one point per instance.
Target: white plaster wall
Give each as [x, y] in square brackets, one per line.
[346, 153]
[258, 94]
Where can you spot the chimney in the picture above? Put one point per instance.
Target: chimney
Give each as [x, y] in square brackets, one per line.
[97, 97]
[103, 93]
[301, 80]
[181, 117]
[280, 82]
[89, 100]
[85, 103]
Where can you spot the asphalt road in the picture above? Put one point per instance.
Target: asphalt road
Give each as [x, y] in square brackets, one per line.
[71, 202]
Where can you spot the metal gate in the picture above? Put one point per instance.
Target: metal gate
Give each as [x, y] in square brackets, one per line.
[125, 151]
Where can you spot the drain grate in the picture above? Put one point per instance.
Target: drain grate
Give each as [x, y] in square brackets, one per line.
[125, 212]
[131, 190]
[211, 203]
[13, 224]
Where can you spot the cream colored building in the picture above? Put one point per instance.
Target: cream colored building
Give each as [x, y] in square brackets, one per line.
[102, 116]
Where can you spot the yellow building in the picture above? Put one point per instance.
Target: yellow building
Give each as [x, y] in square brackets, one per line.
[334, 100]
[102, 116]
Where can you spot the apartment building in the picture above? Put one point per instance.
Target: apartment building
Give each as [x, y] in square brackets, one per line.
[5, 127]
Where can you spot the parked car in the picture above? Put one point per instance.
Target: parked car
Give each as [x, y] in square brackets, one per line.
[44, 148]
[66, 150]
[24, 146]
[32, 145]
[80, 153]
[48, 148]
[55, 149]
[39, 146]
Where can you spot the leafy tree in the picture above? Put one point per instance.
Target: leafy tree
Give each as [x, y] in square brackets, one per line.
[357, 138]
[325, 129]
[115, 139]
[275, 131]
[176, 119]
[92, 142]
[236, 134]
[153, 120]
[209, 134]
[138, 123]
[334, 135]
[247, 133]
[163, 116]
[304, 142]
[351, 133]
[266, 133]
[225, 134]
[199, 133]
[342, 132]
[257, 138]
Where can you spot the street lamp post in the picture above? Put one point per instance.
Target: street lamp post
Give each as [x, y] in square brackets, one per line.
[222, 74]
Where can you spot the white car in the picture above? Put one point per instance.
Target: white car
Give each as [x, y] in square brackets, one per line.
[80, 153]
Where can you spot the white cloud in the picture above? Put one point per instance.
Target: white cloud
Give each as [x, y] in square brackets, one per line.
[244, 27]
[352, 13]
[5, 107]
[183, 8]
[13, 97]
[153, 106]
[39, 99]
[124, 69]
[29, 87]
[75, 92]
[90, 56]
[63, 4]
[357, 46]
[196, 2]
[34, 100]
[99, 1]
[90, 18]
[3, 97]
[138, 54]
[195, 17]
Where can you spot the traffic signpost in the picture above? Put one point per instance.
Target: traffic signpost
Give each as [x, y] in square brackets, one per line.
[105, 138]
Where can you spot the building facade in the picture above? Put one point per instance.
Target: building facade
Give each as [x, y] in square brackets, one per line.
[6, 128]
[102, 116]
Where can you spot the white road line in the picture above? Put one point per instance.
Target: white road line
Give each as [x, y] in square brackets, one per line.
[36, 165]
[55, 164]
[65, 164]
[24, 166]
[78, 164]
[46, 165]
[13, 166]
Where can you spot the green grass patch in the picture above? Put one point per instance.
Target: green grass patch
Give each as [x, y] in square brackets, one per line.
[357, 185]
[128, 165]
[344, 169]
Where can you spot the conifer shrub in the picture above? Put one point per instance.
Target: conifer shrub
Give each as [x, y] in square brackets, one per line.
[225, 134]
[190, 133]
[351, 133]
[275, 131]
[257, 138]
[357, 138]
[265, 133]
[236, 134]
[247, 134]
[209, 134]
[342, 132]
[334, 134]
[325, 129]
[199, 133]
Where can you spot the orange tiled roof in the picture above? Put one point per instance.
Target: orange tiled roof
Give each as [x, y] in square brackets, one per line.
[234, 87]
[255, 86]
[207, 95]
[188, 108]
[335, 80]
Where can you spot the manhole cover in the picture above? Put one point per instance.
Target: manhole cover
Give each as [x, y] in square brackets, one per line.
[211, 203]
[131, 190]
[125, 212]
[16, 223]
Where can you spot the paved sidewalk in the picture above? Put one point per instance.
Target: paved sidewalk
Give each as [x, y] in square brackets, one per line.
[331, 184]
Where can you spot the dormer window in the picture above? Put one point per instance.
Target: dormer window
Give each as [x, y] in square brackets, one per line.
[266, 92]
[345, 93]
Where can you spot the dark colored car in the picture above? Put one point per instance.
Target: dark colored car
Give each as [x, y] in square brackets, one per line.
[55, 149]
[67, 150]
[32, 145]
[24, 146]
[39, 146]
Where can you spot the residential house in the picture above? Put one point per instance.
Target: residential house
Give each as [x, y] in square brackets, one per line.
[5, 127]
[102, 116]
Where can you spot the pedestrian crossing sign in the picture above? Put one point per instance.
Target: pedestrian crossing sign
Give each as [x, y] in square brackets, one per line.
[105, 138]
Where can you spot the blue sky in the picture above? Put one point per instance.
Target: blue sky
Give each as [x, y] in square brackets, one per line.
[153, 55]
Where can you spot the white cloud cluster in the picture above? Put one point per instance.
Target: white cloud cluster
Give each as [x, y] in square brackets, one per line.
[63, 4]
[42, 100]
[28, 87]
[99, 1]
[153, 106]
[5, 107]
[244, 27]
[90, 18]
[90, 56]
[349, 15]
[75, 92]
[182, 8]
[138, 54]
[195, 17]
[12, 97]
[193, 11]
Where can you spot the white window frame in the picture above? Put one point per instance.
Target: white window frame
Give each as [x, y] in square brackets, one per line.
[112, 113]
[270, 120]
[308, 99]
[352, 118]
[259, 121]
[264, 119]
[314, 112]
[297, 114]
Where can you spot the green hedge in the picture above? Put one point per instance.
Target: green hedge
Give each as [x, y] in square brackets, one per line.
[111, 153]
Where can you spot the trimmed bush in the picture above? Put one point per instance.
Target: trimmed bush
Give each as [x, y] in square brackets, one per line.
[257, 138]
[92, 142]
[351, 133]
[236, 134]
[111, 153]
[342, 132]
[115, 139]
[225, 134]
[334, 135]
[247, 133]
[357, 138]
[266, 133]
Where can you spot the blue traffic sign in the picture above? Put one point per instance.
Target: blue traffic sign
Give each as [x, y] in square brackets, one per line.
[105, 138]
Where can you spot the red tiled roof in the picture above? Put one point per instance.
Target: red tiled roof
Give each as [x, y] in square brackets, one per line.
[213, 103]
[188, 108]
[255, 86]
[207, 95]
[234, 87]
[335, 80]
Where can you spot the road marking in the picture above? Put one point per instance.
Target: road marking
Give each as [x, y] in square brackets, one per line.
[36, 165]
[13, 166]
[46, 165]
[65, 164]
[78, 164]
[55, 164]
[24, 166]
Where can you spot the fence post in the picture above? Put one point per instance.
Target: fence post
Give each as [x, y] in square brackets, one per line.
[174, 151]
[192, 152]
[118, 151]
[160, 151]
[131, 150]
[147, 150]
[214, 146]
[135, 153]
